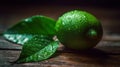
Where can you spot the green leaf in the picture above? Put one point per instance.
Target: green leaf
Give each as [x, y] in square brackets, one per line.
[18, 38]
[25, 29]
[37, 49]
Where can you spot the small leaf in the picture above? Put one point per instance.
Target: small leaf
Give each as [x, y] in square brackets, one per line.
[25, 29]
[37, 49]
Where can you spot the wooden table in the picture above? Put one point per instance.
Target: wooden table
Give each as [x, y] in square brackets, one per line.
[105, 54]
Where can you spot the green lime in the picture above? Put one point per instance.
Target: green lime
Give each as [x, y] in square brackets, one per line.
[78, 30]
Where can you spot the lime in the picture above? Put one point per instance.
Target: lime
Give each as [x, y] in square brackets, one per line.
[78, 30]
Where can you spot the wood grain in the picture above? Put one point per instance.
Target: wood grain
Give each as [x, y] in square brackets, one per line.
[105, 54]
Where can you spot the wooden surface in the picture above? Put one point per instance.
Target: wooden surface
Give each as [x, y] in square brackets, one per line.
[105, 54]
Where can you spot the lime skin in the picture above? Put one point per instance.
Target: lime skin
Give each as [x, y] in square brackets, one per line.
[78, 30]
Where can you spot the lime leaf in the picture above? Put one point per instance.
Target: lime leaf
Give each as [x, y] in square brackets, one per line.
[39, 48]
[25, 29]
[18, 38]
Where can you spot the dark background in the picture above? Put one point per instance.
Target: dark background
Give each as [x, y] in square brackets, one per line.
[100, 3]
[107, 11]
